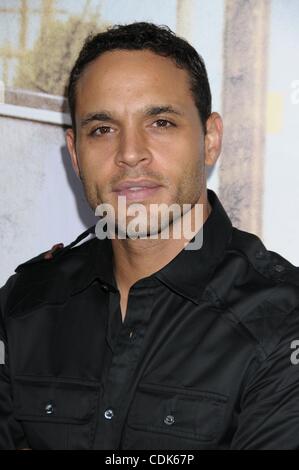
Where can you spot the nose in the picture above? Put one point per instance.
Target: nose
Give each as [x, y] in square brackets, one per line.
[133, 148]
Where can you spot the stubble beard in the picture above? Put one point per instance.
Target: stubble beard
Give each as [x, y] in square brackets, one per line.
[183, 196]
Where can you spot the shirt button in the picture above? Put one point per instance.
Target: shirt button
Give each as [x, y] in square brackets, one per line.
[279, 268]
[109, 414]
[49, 409]
[104, 287]
[260, 254]
[169, 420]
[131, 334]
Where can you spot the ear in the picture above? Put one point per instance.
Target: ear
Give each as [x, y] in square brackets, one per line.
[213, 138]
[71, 145]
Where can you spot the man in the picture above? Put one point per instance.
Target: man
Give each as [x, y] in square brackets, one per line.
[143, 342]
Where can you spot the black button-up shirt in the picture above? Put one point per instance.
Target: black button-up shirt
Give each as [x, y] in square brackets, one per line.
[206, 357]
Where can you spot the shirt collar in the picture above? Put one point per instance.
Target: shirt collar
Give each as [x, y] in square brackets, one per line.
[187, 274]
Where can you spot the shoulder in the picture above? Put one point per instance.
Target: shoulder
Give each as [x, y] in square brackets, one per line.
[55, 253]
[47, 277]
[258, 289]
[273, 267]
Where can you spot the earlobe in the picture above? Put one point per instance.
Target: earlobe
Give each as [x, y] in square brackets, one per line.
[71, 145]
[213, 139]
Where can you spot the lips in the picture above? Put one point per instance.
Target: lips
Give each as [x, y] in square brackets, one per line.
[137, 189]
[135, 185]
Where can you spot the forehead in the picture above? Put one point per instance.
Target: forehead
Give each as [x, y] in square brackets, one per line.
[123, 76]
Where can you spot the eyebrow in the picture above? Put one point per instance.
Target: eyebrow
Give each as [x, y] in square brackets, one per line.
[149, 111]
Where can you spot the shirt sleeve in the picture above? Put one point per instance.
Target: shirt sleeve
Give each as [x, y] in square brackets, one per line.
[11, 432]
[269, 411]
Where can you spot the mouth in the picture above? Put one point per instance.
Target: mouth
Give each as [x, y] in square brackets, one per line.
[137, 190]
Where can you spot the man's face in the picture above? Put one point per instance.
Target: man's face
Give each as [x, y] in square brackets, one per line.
[136, 119]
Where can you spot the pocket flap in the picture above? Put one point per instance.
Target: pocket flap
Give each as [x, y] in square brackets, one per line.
[54, 400]
[180, 412]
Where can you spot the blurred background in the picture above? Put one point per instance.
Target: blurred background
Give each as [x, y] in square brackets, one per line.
[251, 50]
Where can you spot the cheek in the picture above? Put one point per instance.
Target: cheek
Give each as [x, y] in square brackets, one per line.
[92, 163]
[181, 161]
[88, 156]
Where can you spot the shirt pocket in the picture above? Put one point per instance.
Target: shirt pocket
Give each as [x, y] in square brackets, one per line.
[56, 413]
[166, 417]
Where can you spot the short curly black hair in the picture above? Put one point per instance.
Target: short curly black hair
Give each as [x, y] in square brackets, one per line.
[158, 39]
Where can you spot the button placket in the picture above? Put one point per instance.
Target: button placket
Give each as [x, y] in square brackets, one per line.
[126, 352]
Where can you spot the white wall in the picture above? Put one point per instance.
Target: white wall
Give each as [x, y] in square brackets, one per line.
[42, 202]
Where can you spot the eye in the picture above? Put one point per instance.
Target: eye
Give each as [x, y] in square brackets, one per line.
[100, 131]
[163, 123]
